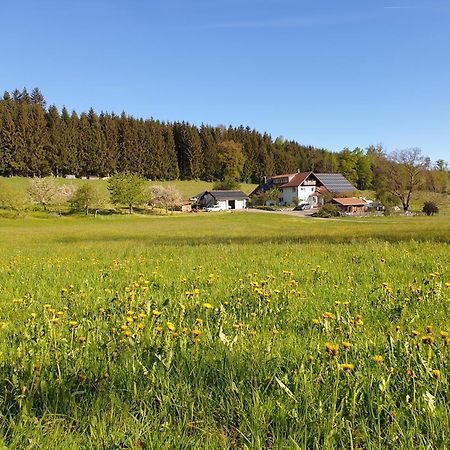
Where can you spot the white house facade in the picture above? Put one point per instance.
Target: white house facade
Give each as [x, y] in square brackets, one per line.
[306, 187]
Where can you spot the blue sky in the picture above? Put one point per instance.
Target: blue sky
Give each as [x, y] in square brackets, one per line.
[330, 73]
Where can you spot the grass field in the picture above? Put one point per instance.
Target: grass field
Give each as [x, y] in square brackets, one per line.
[225, 330]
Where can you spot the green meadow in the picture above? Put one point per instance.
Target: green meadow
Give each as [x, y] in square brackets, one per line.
[224, 330]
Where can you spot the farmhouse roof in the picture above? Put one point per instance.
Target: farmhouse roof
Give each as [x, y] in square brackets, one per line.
[349, 201]
[223, 195]
[335, 182]
[296, 180]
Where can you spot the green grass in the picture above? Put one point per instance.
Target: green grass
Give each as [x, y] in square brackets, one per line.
[187, 188]
[255, 288]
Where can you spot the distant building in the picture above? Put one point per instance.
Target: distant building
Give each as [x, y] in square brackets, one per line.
[351, 205]
[226, 199]
[306, 187]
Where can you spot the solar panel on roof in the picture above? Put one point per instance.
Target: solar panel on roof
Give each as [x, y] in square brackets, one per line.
[335, 182]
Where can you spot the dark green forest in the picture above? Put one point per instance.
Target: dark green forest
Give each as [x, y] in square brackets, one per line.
[36, 140]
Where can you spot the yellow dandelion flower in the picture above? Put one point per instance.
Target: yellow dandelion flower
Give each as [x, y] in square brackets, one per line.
[196, 332]
[275, 331]
[346, 345]
[130, 319]
[198, 320]
[444, 334]
[156, 313]
[414, 333]
[347, 367]
[127, 333]
[47, 306]
[140, 326]
[429, 329]
[171, 326]
[82, 339]
[33, 315]
[428, 339]
[327, 315]
[315, 322]
[378, 359]
[73, 324]
[124, 327]
[207, 306]
[159, 329]
[436, 374]
[55, 320]
[331, 348]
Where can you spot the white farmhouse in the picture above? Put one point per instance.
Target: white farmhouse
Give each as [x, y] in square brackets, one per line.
[225, 199]
[306, 187]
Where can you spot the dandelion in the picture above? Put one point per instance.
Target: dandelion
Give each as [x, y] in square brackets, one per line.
[436, 374]
[444, 334]
[140, 326]
[171, 326]
[207, 306]
[73, 324]
[47, 306]
[197, 332]
[315, 322]
[55, 320]
[378, 359]
[428, 339]
[346, 366]
[429, 329]
[328, 316]
[130, 319]
[156, 313]
[159, 329]
[82, 339]
[199, 321]
[346, 345]
[33, 315]
[127, 333]
[275, 331]
[331, 348]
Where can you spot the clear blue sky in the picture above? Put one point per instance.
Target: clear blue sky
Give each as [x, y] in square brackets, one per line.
[330, 73]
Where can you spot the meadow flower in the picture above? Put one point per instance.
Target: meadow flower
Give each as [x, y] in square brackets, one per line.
[33, 315]
[378, 359]
[428, 339]
[197, 332]
[414, 333]
[127, 333]
[171, 326]
[140, 326]
[346, 345]
[327, 315]
[429, 329]
[159, 329]
[55, 320]
[82, 339]
[315, 322]
[331, 348]
[444, 334]
[207, 306]
[198, 320]
[436, 374]
[346, 366]
[156, 313]
[73, 324]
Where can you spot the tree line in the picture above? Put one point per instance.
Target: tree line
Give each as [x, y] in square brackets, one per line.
[36, 140]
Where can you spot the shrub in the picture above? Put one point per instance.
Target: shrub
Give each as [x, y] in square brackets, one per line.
[329, 210]
[430, 208]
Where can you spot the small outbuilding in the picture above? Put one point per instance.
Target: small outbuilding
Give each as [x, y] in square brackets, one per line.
[351, 205]
[228, 200]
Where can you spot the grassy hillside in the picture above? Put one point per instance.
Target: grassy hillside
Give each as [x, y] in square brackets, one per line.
[187, 188]
[225, 330]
